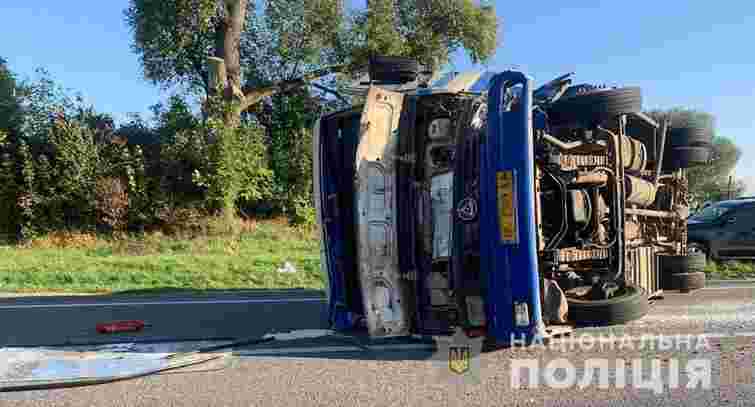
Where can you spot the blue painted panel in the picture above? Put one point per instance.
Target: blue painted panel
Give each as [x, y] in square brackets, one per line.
[336, 149]
[509, 256]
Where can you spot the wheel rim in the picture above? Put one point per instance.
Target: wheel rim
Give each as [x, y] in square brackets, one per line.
[696, 249]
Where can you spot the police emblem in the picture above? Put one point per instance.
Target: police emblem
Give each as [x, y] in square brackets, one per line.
[458, 359]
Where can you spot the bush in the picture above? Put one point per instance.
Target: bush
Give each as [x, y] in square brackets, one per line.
[25, 199]
[290, 151]
[65, 167]
[63, 239]
[112, 203]
[71, 179]
[303, 212]
[236, 168]
[179, 220]
[76, 161]
[8, 194]
[179, 162]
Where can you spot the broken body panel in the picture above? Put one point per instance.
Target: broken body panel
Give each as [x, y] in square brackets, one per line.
[382, 285]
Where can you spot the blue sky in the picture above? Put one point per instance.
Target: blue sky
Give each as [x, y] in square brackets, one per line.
[682, 53]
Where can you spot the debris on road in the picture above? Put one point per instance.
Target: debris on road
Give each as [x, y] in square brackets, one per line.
[287, 267]
[300, 334]
[41, 369]
[121, 326]
[117, 347]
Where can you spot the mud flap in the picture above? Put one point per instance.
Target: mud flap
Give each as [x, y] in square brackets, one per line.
[382, 287]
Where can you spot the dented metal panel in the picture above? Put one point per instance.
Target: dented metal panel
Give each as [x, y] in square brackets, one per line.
[377, 250]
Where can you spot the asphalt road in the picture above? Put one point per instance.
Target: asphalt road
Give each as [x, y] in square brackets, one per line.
[38, 321]
[339, 371]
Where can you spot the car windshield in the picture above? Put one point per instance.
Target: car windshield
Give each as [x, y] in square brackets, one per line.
[710, 213]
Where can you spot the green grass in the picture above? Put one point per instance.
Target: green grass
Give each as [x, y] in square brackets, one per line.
[154, 262]
[730, 270]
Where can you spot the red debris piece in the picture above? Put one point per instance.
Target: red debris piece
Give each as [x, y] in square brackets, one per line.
[120, 326]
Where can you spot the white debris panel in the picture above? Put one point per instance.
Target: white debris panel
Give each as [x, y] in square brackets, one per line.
[22, 368]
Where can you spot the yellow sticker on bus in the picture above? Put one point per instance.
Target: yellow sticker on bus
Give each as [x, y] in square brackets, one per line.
[505, 191]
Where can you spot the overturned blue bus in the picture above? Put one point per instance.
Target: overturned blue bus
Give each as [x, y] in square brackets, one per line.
[485, 204]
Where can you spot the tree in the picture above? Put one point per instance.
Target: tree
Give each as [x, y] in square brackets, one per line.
[213, 44]
[10, 108]
[239, 53]
[712, 182]
[254, 54]
[427, 30]
[42, 101]
[709, 182]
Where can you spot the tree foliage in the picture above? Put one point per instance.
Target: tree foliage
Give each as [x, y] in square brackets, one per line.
[713, 182]
[8, 193]
[234, 168]
[428, 30]
[268, 51]
[709, 182]
[282, 40]
[290, 152]
[207, 162]
[172, 39]
[65, 165]
[10, 108]
[60, 150]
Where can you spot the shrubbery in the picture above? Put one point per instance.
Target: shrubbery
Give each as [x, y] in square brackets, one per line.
[289, 139]
[77, 172]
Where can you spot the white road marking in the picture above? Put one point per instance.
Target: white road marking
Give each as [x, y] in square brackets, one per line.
[703, 308]
[331, 349]
[727, 287]
[607, 338]
[300, 334]
[299, 350]
[403, 346]
[100, 303]
[720, 316]
[185, 302]
[334, 349]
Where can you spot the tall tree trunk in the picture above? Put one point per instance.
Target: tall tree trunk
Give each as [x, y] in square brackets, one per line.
[225, 66]
[235, 19]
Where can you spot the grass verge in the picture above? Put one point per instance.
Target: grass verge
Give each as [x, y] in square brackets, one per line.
[730, 270]
[154, 262]
[247, 258]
